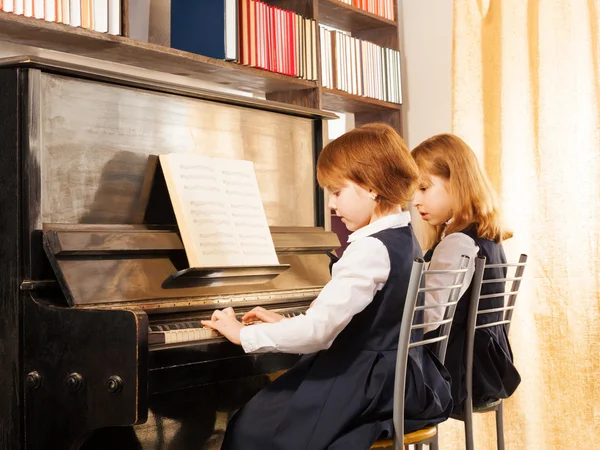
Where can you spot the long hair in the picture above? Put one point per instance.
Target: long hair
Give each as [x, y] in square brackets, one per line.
[374, 157]
[474, 199]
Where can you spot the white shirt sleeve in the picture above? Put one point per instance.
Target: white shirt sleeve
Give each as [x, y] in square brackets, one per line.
[446, 256]
[361, 272]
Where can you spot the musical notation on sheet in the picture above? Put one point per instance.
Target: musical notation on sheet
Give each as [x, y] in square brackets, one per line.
[219, 210]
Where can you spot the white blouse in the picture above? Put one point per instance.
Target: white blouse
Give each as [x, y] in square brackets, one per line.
[446, 256]
[358, 275]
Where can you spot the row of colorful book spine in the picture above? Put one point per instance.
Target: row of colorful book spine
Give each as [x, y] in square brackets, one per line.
[383, 8]
[99, 15]
[360, 67]
[277, 40]
[249, 32]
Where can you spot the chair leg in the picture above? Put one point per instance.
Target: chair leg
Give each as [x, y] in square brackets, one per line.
[500, 427]
[434, 445]
[468, 413]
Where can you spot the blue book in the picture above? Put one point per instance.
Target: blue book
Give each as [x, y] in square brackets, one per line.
[205, 27]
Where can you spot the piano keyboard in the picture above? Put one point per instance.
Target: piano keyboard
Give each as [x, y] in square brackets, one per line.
[188, 331]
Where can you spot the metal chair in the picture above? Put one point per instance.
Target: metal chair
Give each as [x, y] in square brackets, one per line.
[413, 320]
[506, 316]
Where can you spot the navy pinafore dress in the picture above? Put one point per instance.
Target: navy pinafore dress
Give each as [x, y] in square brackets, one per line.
[342, 397]
[494, 374]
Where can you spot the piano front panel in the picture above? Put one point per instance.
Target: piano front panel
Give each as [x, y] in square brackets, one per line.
[95, 139]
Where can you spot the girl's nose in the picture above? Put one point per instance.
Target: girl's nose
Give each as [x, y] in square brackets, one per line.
[417, 199]
[331, 204]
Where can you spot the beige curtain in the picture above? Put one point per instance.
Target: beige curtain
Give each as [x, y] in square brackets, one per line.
[526, 96]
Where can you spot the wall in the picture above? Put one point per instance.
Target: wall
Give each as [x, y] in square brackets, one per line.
[426, 45]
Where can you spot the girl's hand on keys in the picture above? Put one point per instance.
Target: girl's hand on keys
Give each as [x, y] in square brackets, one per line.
[261, 314]
[225, 323]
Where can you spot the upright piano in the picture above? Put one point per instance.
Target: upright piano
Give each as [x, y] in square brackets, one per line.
[102, 346]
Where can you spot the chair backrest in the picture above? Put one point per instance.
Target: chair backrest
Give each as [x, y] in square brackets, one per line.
[504, 313]
[412, 325]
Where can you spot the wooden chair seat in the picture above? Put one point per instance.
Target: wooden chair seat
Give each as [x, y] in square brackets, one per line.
[409, 438]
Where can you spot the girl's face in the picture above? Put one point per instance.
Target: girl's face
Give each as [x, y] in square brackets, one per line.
[354, 204]
[433, 201]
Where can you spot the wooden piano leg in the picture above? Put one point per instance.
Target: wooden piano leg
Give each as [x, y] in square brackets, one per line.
[84, 370]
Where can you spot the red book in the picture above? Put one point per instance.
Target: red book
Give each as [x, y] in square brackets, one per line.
[252, 30]
[291, 46]
[274, 41]
[264, 36]
[242, 32]
[272, 61]
[284, 42]
[295, 40]
[257, 21]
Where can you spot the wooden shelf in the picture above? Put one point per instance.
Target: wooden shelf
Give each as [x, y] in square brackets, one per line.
[119, 49]
[340, 101]
[349, 18]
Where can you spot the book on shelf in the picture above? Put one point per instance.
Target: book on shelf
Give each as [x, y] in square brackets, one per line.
[383, 8]
[219, 211]
[205, 27]
[249, 32]
[99, 15]
[360, 67]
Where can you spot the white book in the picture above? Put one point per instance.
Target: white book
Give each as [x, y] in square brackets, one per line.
[114, 17]
[100, 15]
[38, 9]
[75, 13]
[399, 72]
[314, 49]
[219, 211]
[50, 10]
[28, 8]
[359, 67]
[348, 55]
[309, 49]
[8, 6]
[19, 7]
[231, 30]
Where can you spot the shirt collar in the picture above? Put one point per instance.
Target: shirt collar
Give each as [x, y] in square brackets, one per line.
[401, 219]
[448, 222]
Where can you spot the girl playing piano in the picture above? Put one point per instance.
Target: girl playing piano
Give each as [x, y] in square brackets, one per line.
[339, 395]
[455, 197]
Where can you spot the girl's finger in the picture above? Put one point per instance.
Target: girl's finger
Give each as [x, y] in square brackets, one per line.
[250, 316]
[217, 315]
[210, 324]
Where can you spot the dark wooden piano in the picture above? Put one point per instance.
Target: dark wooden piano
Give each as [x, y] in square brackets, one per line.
[101, 342]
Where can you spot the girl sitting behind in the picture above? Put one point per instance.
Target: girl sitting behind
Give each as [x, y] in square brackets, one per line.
[340, 394]
[455, 197]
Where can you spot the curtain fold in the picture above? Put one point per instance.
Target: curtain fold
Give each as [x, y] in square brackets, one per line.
[526, 97]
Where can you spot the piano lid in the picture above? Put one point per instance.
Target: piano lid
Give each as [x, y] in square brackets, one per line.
[118, 266]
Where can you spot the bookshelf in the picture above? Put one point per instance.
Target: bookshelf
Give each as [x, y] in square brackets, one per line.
[276, 87]
[120, 49]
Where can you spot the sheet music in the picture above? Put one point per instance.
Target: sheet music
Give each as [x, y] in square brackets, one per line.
[219, 211]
